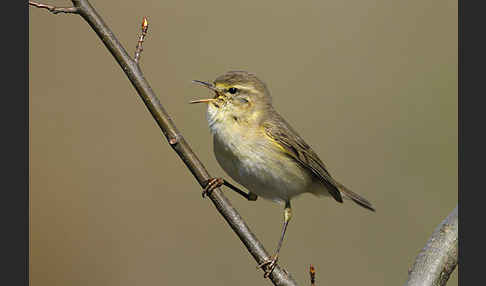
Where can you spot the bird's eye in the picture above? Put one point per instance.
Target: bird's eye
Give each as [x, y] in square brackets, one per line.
[232, 90]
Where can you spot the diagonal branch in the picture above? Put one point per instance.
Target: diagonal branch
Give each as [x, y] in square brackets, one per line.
[439, 257]
[82, 7]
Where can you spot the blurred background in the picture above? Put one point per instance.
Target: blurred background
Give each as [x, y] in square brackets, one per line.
[370, 85]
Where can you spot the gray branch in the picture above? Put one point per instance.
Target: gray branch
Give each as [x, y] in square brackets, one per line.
[438, 258]
[82, 7]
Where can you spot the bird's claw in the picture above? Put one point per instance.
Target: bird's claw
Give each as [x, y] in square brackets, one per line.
[212, 184]
[268, 266]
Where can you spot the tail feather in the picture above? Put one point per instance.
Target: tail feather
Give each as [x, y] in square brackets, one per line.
[356, 198]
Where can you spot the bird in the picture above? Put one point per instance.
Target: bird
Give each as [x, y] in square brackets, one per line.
[258, 149]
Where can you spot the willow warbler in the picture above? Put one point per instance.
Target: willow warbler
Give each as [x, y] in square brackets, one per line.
[260, 151]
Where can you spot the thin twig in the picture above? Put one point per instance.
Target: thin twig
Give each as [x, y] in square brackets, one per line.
[53, 9]
[278, 276]
[312, 273]
[439, 257]
[139, 48]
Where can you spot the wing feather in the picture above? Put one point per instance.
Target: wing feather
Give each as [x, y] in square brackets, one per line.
[280, 131]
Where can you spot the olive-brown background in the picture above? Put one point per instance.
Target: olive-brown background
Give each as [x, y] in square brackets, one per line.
[371, 85]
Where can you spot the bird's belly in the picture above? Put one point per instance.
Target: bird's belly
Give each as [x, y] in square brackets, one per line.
[264, 171]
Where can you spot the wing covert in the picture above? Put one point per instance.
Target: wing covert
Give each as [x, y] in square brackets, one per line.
[302, 153]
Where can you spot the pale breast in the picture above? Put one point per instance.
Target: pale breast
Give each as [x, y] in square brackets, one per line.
[255, 162]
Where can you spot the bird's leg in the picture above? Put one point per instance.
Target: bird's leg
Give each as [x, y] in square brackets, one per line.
[270, 264]
[214, 183]
[249, 196]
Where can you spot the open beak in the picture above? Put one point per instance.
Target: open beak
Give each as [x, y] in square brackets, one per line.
[201, 100]
[207, 85]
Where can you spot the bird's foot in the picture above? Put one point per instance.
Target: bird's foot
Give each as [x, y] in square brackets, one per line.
[268, 266]
[212, 184]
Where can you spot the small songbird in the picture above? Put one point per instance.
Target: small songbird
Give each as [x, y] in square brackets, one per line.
[259, 150]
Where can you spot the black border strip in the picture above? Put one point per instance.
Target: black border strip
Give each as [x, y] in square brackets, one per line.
[14, 130]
